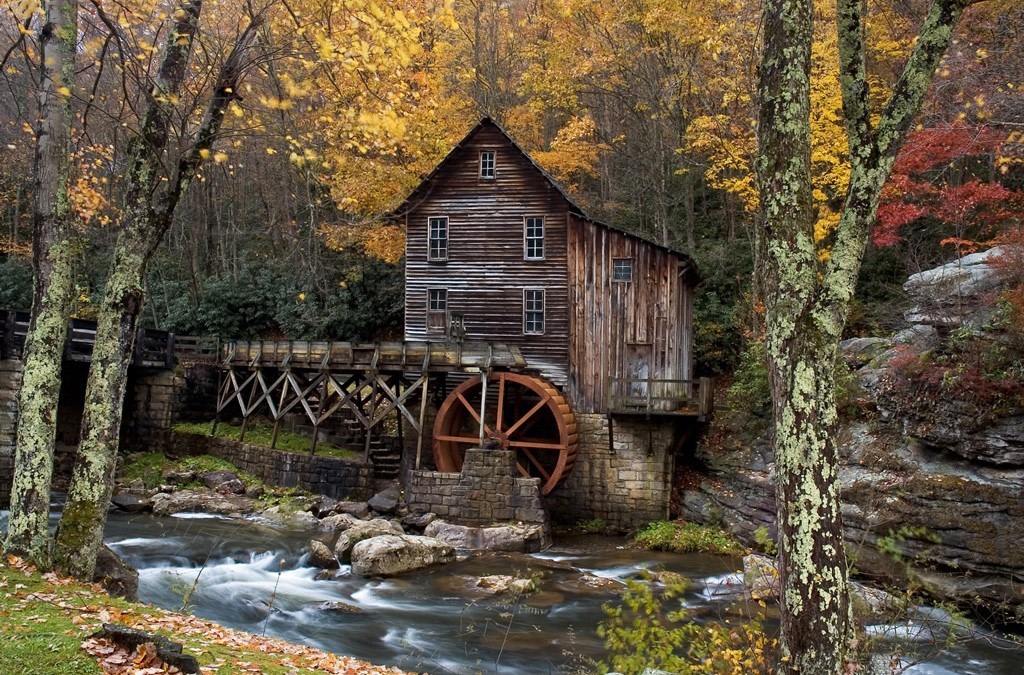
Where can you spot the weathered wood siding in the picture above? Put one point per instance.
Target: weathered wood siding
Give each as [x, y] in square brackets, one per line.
[486, 272]
[624, 329]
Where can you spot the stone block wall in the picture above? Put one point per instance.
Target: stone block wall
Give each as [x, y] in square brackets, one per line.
[10, 382]
[152, 405]
[487, 491]
[628, 485]
[337, 478]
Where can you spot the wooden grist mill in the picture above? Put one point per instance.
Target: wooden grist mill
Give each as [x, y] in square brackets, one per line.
[529, 327]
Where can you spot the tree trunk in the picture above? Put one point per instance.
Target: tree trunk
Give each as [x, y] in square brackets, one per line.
[28, 526]
[145, 221]
[806, 301]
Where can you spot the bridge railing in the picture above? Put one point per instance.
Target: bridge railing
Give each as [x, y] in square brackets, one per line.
[153, 348]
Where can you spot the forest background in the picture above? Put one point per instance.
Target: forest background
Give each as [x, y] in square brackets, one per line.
[643, 110]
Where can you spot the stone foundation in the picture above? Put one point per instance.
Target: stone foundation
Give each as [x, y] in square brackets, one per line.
[626, 486]
[487, 491]
[10, 383]
[337, 478]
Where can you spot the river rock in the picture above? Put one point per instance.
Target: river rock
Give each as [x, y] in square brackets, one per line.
[496, 584]
[200, 501]
[255, 491]
[358, 509]
[418, 521]
[321, 556]
[131, 502]
[323, 506]
[290, 516]
[761, 577]
[179, 477]
[395, 554]
[339, 522]
[385, 502]
[213, 479]
[116, 576]
[338, 607]
[359, 531]
[231, 487]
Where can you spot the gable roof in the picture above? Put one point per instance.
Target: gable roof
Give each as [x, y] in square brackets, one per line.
[423, 189]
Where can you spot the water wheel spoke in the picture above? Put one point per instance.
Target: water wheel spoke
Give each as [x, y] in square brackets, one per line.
[474, 413]
[472, 440]
[522, 420]
[540, 467]
[536, 445]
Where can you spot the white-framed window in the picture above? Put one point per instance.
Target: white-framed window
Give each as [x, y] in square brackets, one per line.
[437, 310]
[437, 233]
[533, 238]
[622, 269]
[487, 163]
[533, 311]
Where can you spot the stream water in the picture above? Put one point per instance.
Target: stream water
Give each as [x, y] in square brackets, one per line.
[255, 578]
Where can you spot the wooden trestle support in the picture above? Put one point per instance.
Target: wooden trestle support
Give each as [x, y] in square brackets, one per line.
[369, 381]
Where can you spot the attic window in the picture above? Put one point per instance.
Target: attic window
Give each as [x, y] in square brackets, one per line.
[487, 164]
[623, 269]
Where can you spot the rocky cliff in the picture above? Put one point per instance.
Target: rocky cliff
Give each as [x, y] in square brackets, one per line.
[933, 453]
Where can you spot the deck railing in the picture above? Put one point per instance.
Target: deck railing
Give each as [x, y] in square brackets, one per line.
[660, 396]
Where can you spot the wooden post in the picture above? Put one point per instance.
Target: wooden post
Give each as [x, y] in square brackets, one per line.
[373, 412]
[280, 414]
[483, 404]
[423, 416]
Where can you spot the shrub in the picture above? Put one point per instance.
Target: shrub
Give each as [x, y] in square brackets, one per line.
[682, 537]
[640, 635]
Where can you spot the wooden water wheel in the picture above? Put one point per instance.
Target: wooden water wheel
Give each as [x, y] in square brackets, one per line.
[522, 413]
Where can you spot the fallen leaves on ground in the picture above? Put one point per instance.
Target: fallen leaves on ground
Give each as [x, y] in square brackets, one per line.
[87, 606]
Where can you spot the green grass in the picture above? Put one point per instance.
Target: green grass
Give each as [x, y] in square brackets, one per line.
[682, 537]
[260, 434]
[46, 618]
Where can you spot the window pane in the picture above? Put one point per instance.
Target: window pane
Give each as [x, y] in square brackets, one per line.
[533, 311]
[534, 238]
[438, 299]
[623, 270]
[438, 239]
[487, 164]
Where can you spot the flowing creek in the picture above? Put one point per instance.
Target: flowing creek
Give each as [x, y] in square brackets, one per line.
[253, 577]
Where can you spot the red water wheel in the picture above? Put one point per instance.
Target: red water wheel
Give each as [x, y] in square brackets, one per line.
[522, 413]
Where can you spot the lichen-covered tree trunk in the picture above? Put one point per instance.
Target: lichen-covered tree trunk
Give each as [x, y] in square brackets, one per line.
[807, 300]
[147, 215]
[53, 286]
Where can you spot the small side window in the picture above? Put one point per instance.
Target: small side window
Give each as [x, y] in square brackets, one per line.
[437, 228]
[623, 269]
[487, 164]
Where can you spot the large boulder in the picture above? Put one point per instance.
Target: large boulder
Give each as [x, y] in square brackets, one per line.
[116, 576]
[361, 530]
[395, 554]
[131, 502]
[954, 294]
[357, 509]
[200, 501]
[339, 522]
[516, 538]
